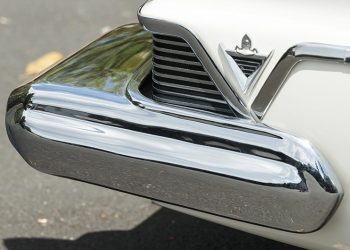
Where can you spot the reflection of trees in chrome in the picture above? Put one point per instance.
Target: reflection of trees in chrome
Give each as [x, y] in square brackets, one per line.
[95, 66]
[18, 96]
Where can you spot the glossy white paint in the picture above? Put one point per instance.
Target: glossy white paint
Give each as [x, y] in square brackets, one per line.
[273, 25]
[313, 103]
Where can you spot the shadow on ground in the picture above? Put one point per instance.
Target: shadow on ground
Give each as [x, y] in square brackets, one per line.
[165, 229]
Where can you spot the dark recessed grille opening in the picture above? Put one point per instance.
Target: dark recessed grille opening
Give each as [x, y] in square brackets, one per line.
[248, 64]
[180, 79]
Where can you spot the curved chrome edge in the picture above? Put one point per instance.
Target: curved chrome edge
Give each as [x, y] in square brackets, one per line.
[138, 99]
[296, 54]
[168, 28]
[105, 136]
[243, 86]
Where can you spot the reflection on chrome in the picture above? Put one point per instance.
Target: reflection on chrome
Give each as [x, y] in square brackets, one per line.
[68, 123]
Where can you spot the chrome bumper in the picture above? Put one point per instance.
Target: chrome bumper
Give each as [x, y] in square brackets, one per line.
[85, 119]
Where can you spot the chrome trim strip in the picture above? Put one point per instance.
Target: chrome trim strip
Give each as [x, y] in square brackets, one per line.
[167, 28]
[296, 54]
[95, 126]
[196, 97]
[176, 60]
[182, 44]
[173, 51]
[180, 69]
[173, 85]
[183, 78]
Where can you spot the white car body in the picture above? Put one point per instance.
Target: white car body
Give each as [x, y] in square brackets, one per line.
[313, 103]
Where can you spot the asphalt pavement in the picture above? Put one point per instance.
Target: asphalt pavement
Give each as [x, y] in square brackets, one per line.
[38, 211]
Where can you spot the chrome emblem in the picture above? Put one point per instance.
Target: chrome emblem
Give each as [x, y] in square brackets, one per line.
[243, 64]
[246, 47]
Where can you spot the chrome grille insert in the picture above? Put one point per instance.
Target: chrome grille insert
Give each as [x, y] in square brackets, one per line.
[248, 64]
[179, 78]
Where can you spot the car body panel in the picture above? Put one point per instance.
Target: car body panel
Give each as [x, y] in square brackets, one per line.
[274, 26]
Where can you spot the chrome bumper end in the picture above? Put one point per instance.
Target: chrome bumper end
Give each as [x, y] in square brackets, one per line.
[85, 119]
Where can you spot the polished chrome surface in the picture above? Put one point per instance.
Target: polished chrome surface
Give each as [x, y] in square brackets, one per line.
[246, 47]
[86, 119]
[296, 54]
[167, 28]
[180, 79]
[249, 65]
[245, 68]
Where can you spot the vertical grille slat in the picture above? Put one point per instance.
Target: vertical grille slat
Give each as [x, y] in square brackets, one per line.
[180, 79]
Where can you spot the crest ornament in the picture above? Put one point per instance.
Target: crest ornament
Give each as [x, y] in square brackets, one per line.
[246, 47]
[244, 64]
